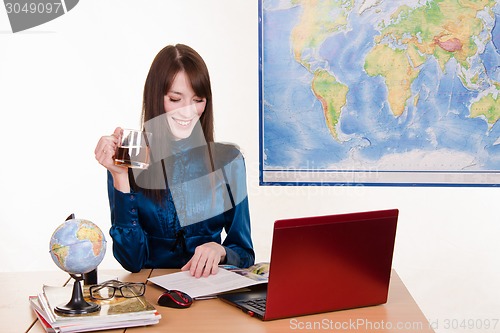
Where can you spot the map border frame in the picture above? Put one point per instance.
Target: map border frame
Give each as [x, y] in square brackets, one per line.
[323, 177]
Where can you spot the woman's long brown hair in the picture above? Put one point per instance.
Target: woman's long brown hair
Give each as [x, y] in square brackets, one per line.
[166, 65]
[168, 62]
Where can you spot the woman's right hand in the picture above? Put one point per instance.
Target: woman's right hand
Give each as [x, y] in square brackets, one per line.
[104, 154]
[105, 151]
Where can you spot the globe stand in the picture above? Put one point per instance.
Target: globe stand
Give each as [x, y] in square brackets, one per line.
[77, 305]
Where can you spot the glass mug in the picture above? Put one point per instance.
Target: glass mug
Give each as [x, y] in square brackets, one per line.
[133, 149]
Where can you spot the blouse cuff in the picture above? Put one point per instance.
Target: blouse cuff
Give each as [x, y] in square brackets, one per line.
[126, 210]
[232, 258]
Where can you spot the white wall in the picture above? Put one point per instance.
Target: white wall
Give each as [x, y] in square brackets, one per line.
[66, 83]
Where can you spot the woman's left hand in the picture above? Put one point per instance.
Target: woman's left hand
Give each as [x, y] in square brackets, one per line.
[205, 260]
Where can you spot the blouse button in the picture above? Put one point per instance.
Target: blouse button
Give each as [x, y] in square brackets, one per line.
[133, 210]
[134, 222]
[132, 197]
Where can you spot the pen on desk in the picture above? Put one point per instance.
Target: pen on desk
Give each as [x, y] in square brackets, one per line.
[200, 298]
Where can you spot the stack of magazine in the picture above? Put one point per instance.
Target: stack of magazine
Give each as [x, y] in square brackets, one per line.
[117, 312]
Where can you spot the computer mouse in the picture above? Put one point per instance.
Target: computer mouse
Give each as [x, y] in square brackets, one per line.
[175, 299]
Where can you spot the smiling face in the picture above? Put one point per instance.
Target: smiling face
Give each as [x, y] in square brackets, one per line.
[182, 106]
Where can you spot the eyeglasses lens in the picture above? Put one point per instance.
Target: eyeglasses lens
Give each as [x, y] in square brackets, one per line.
[103, 292]
[133, 290]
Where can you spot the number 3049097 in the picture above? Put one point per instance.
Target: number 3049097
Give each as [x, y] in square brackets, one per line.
[471, 324]
[33, 8]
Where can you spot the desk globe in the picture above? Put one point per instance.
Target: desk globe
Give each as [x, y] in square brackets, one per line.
[77, 247]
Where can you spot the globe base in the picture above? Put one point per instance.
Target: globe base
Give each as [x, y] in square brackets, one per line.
[77, 305]
[71, 309]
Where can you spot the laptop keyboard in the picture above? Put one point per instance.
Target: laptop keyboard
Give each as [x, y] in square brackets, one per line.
[258, 303]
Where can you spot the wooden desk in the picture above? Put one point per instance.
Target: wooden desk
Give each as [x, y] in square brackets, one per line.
[399, 314]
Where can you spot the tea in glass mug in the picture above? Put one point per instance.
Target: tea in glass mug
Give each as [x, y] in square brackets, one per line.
[133, 149]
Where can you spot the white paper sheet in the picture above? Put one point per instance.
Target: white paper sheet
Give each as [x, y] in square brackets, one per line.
[223, 281]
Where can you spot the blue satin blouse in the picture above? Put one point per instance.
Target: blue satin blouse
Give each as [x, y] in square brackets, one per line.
[201, 202]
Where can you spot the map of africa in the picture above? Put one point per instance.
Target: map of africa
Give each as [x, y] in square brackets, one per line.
[380, 92]
[77, 246]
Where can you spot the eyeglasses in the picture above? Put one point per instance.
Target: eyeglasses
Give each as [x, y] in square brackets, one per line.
[107, 289]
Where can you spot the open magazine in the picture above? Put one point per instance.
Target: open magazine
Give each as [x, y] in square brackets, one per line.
[229, 278]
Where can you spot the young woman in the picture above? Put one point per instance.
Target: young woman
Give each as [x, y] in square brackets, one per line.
[172, 215]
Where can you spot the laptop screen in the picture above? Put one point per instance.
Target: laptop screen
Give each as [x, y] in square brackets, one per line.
[334, 262]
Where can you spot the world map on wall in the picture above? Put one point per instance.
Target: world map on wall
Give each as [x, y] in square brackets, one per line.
[380, 92]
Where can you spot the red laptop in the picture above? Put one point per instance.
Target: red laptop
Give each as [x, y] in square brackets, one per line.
[324, 263]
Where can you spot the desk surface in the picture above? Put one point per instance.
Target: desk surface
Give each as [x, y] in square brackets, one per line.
[399, 314]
